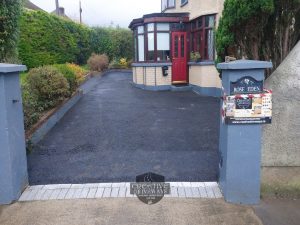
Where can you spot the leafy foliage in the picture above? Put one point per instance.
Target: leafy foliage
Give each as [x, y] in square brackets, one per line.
[114, 42]
[47, 39]
[9, 29]
[258, 29]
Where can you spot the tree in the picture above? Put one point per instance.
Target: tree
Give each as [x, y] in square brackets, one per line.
[258, 29]
[10, 11]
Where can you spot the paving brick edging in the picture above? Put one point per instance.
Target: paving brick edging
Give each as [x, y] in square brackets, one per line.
[209, 190]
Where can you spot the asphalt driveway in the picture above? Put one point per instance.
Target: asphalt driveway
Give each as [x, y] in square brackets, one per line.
[117, 131]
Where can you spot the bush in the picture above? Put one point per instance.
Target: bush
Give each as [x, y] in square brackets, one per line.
[79, 72]
[74, 74]
[31, 107]
[98, 62]
[69, 75]
[122, 63]
[48, 85]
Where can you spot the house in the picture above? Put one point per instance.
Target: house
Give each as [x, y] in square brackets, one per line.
[164, 43]
[61, 11]
[31, 6]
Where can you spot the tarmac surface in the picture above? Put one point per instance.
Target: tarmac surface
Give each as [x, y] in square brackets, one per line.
[116, 132]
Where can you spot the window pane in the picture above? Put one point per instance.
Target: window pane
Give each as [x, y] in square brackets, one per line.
[209, 21]
[141, 48]
[140, 29]
[150, 27]
[163, 26]
[151, 41]
[163, 55]
[164, 4]
[135, 49]
[200, 22]
[150, 54]
[183, 1]
[176, 47]
[182, 46]
[163, 41]
[171, 3]
[210, 44]
[163, 46]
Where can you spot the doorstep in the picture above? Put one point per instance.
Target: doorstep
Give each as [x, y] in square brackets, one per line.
[207, 190]
[182, 87]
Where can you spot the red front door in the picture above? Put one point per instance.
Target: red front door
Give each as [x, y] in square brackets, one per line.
[179, 58]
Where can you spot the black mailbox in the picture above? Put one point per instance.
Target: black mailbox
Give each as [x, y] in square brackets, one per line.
[165, 70]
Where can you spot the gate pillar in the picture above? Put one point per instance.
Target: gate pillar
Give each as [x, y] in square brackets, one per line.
[13, 164]
[241, 122]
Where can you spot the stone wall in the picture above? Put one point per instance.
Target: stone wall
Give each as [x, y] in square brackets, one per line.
[281, 139]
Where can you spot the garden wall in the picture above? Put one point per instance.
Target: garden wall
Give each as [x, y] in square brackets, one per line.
[281, 142]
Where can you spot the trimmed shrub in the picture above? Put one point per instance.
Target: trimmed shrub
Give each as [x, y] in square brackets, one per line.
[98, 62]
[48, 85]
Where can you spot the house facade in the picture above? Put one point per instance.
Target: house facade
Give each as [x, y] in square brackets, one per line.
[177, 46]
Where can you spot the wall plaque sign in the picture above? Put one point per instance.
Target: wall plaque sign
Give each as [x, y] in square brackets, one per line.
[248, 109]
[246, 85]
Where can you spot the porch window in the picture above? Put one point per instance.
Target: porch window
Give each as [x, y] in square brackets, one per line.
[167, 4]
[202, 37]
[139, 43]
[153, 42]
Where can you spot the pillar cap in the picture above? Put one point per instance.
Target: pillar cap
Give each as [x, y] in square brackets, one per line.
[245, 64]
[10, 68]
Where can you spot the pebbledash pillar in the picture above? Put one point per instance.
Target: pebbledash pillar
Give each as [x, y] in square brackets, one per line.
[13, 164]
[245, 107]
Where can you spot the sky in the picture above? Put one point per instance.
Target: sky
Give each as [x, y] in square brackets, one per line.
[104, 13]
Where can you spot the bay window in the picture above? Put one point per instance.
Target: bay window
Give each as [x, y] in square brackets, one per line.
[153, 42]
[202, 37]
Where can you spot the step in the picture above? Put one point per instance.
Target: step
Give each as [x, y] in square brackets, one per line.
[181, 88]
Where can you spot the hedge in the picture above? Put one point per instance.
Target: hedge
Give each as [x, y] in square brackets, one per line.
[47, 39]
[9, 30]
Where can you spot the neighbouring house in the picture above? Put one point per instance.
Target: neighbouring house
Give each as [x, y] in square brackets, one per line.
[177, 46]
[61, 12]
[30, 5]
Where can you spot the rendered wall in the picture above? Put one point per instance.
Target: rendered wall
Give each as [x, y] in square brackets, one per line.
[198, 8]
[281, 141]
[204, 76]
